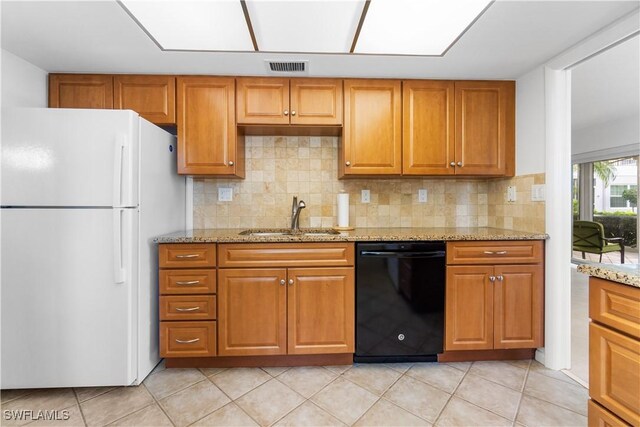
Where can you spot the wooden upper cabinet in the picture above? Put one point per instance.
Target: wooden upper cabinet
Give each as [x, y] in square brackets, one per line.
[207, 139]
[316, 102]
[321, 310]
[80, 91]
[428, 125]
[469, 308]
[372, 135]
[276, 101]
[485, 127]
[263, 101]
[153, 97]
[518, 306]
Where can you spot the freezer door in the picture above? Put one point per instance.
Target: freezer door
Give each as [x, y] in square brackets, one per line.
[65, 157]
[68, 298]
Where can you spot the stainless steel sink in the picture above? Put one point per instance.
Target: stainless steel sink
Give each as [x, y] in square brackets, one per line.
[257, 232]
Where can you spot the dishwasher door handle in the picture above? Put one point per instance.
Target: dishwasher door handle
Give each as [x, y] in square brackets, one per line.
[398, 254]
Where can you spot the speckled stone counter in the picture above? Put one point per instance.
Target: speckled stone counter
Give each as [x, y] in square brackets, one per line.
[360, 234]
[626, 274]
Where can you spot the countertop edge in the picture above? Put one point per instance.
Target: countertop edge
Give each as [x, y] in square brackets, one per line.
[611, 273]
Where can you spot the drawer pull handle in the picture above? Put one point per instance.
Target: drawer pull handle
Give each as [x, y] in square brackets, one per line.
[190, 282]
[188, 256]
[495, 252]
[187, 341]
[187, 309]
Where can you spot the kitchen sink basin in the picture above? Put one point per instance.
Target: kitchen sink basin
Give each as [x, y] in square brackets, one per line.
[286, 232]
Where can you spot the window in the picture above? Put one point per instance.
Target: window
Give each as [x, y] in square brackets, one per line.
[616, 200]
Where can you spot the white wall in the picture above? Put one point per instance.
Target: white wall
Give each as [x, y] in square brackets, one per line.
[530, 122]
[613, 134]
[23, 84]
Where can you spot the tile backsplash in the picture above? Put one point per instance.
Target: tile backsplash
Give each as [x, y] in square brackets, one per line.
[280, 167]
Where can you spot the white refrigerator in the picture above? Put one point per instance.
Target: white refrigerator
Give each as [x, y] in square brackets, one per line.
[83, 194]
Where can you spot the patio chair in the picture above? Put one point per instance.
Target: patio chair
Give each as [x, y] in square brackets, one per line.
[588, 236]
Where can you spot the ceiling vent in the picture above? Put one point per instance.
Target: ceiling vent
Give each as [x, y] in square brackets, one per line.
[289, 67]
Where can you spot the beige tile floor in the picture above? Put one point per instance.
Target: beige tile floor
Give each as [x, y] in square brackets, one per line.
[519, 393]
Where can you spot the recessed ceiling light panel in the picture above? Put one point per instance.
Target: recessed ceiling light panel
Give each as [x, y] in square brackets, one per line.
[416, 27]
[305, 25]
[193, 25]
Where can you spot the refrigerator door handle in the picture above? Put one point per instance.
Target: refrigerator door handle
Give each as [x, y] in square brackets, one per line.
[118, 155]
[122, 178]
[118, 267]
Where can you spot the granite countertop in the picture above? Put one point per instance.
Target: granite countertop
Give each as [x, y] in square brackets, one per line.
[359, 234]
[627, 274]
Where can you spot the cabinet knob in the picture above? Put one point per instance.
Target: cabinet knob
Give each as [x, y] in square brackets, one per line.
[291, 281]
[459, 163]
[293, 113]
[500, 277]
[492, 279]
[282, 282]
[286, 112]
[348, 163]
[231, 163]
[452, 164]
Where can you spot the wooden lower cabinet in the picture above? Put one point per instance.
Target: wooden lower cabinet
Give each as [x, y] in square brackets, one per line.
[494, 307]
[187, 339]
[285, 311]
[600, 417]
[518, 298]
[320, 310]
[469, 308]
[252, 307]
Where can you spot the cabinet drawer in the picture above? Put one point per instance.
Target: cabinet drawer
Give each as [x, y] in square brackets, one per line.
[286, 255]
[600, 417]
[495, 252]
[614, 372]
[615, 305]
[182, 255]
[187, 281]
[188, 339]
[196, 307]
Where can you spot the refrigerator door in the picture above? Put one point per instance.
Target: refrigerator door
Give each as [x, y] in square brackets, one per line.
[68, 297]
[69, 157]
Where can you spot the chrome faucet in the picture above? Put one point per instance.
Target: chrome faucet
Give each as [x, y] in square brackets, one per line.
[296, 208]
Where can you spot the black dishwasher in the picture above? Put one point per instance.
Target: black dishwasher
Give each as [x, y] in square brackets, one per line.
[399, 301]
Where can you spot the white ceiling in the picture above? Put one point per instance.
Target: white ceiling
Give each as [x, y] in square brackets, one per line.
[607, 87]
[511, 38]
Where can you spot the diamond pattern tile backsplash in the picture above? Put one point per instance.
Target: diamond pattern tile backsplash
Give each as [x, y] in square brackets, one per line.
[280, 167]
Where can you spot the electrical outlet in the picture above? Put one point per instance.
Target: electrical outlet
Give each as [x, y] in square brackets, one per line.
[537, 193]
[511, 193]
[366, 196]
[225, 194]
[422, 195]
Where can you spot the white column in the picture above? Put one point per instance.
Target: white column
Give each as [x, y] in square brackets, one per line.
[557, 352]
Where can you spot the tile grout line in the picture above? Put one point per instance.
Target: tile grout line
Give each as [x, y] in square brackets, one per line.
[305, 399]
[524, 384]
[84, 420]
[435, 422]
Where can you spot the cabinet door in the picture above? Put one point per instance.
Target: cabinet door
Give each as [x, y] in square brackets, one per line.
[614, 372]
[321, 310]
[80, 91]
[252, 306]
[469, 308]
[207, 140]
[485, 127]
[518, 314]
[263, 101]
[153, 97]
[372, 134]
[428, 127]
[316, 102]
